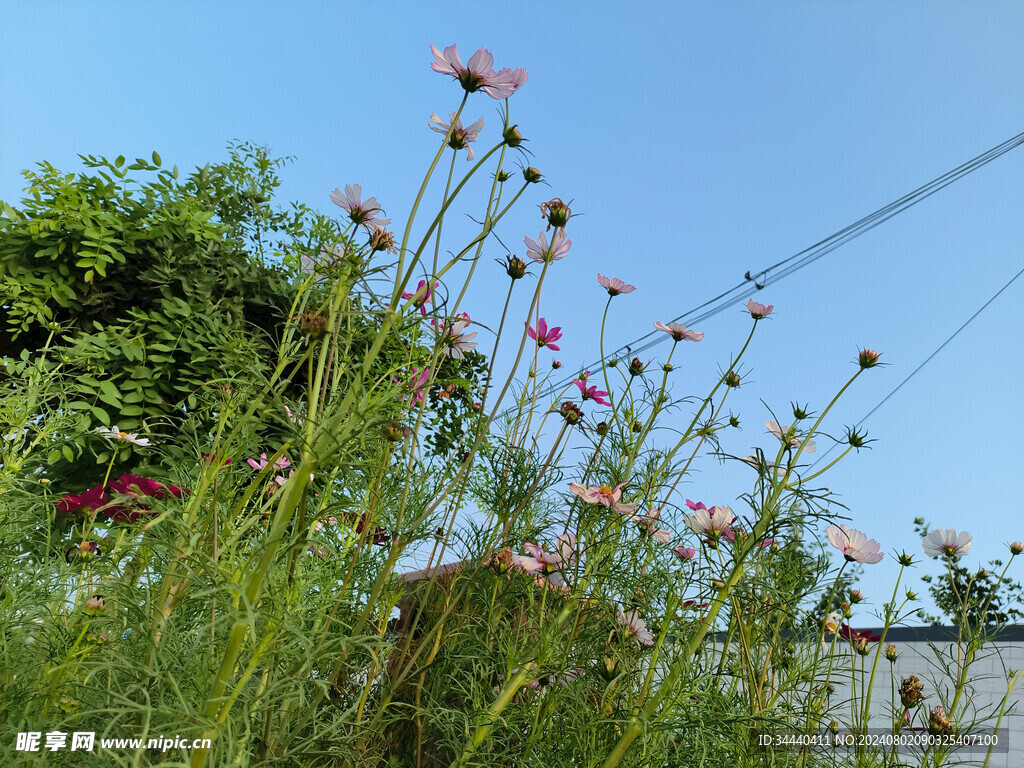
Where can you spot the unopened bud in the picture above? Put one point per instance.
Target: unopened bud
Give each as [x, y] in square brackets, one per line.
[890, 652]
[1016, 548]
[732, 379]
[556, 364]
[904, 559]
[95, 604]
[504, 176]
[393, 432]
[613, 363]
[513, 138]
[798, 412]
[636, 367]
[867, 358]
[845, 608]
[532, 175]
[733, 421]
[602, 428]
[856, 596]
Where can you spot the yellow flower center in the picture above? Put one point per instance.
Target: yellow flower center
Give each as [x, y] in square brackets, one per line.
[604, 489]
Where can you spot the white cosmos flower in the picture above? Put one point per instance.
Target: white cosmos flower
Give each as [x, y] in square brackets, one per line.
[947, 543]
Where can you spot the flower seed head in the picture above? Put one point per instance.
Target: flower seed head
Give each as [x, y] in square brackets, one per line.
[938, 723]
[602, 428]
[515, 267]
[571, 412]
[312, 323]
[890, 652]
[911, 692]
[556, 212]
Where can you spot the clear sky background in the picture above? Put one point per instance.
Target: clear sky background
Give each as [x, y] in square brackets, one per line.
[700, 140]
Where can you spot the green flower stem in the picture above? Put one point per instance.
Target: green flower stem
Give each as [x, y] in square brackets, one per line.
[444, 201]
[419, 197]
[890, 612]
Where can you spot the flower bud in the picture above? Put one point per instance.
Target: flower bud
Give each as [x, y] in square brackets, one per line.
[867, 358]
[667, 367]
[44, 481]
[608, 668]
[637, 426]
[845, 608]
[890, 652]
[856, 596]
[613, 363]
[571, 413]
[798, 412]
[532, 175]
[1016, 548]
[905, 559]
[855, 438]
[95, 605]
[513, 138]
[733, 421]
[732, 379]
[556, 364]
[911, 594]
[833, 726]
[504, 176]
[393, 432]
[602, 428]
[636, 367]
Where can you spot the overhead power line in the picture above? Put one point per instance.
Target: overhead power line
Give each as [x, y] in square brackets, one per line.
[927, 360]
[799, 260]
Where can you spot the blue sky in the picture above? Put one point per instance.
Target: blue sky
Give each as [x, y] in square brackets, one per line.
[701, 140]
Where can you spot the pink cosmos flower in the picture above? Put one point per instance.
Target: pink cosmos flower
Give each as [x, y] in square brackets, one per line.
[478, 73]
[758, 310]
[684, 553]
[553, 565]
[635, 627]
[789, 436]
[540, 251]
[614, 285]
[460, 137]
[648, 524]
[113, 433]
[947, 543]
[592, 392]
[713, 523]
[544, 336]
[259, 466]
[421, 295]
[361, 212]
[604, 495]
[680, 332]
[855, 546]
[457, 341]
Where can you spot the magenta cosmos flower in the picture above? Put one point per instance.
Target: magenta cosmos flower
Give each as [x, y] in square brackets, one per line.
[614, 285]
[544, 336]
[947, 543]
[360, 211]
[592, 392]
[421, 295]
[635, 627]
[855, 546]
[542, 252]
[680, 332]
[684, 553]
[758, 310]
[604, 495]
[460, 137]
[478, 73]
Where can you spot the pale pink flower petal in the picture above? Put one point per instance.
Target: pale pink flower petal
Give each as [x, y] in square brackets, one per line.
[855, 546]
[680, 332]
